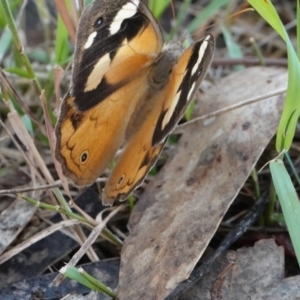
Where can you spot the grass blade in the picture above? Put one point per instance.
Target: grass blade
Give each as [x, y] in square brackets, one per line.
[289, 202]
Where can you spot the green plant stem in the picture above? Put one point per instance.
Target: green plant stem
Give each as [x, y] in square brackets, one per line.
[55, 208]
[25, 60]
[257, 51]
[288, 158]
[107, 233]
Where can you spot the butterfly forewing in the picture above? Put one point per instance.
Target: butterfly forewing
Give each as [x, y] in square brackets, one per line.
[115, 44]
[87, 141]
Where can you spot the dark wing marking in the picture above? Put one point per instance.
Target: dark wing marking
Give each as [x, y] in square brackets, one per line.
[196, 67]
[99, 44]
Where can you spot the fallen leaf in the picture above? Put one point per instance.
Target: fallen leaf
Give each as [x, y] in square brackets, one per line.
[255, 270]
[12, 221]
[182, 207]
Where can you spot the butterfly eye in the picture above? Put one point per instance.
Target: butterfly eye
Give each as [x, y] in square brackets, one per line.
[121, 179]
[98, 22]
[84, 157]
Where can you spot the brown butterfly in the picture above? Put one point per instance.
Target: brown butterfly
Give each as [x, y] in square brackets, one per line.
[127, 90]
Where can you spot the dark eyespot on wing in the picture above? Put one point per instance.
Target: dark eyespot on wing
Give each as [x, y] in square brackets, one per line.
[148, 161]
[84, 157]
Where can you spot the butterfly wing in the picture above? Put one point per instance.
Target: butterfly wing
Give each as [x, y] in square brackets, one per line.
[116, 44]
[168, 105]
[188, 75]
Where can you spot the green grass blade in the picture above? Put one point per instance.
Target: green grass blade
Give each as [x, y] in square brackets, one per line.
[5, 42]
[298, 29]
[73, 273]
[61, 43]
[100, 285]
[293, 168]
[87, 280]
[291, 111]
[18, 71]
[233, 48]
[7, 13]
[158, 7]
[289, 202]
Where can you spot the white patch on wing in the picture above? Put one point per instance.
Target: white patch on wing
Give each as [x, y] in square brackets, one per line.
[200, 56]
[171, 109]
[127, 11]
[191, 91]
[101, 67]
[90, 40]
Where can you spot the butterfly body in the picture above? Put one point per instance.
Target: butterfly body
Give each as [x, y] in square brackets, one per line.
[127, 91]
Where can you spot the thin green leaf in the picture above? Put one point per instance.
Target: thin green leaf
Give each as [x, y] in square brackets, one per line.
[100, 285]
[293, 168]
[73, 273]
[27, 124]
[298, 29]
[62, 42]
[5, 42]
[289, 201]
[158, 7]
[189, 111]
[18, 71]
[291, 111]
[233, 48]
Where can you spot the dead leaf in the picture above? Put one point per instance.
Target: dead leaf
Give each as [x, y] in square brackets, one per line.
[287, 289]
[90, 296]
[12, 221]
[256, 270]
[182, 207]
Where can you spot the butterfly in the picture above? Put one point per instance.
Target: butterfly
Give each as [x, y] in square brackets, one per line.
[128, 90]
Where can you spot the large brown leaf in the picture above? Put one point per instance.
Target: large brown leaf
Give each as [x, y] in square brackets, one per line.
[181, 209]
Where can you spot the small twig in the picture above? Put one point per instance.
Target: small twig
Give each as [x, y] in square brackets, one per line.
[179, 128]
[249, 61]
[30, 189]
[216, 289]
[37, 237]
[88, 242]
